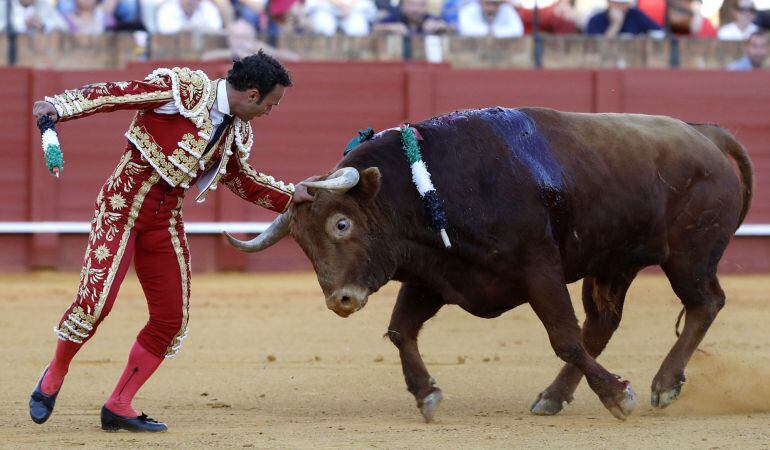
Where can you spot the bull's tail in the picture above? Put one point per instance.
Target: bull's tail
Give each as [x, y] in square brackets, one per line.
[730, 146]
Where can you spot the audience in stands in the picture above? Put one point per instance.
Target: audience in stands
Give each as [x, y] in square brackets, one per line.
[251, 11]
[497, 18]
[174, 16]
[242, 41]
[31, 16]
[90, 17]
[742, 25]
[620, 17]
[755, 53]
[352, 17]
[411, 17]
[686, 19]
[559, 17]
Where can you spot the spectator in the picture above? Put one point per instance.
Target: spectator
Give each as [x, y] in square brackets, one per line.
[287, 15]
[250, 11]
[242, 41]
[742, 25]
[411, 17]
[31, 16]
[686, 19]
[351, 16]
[127, 15]
[497, 18]
[559, 17]
[755, 53]
[89, 17]
[202, 16]
[620, 18]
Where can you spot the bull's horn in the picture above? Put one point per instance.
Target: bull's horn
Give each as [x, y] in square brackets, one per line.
[341, 180]
[274, 233]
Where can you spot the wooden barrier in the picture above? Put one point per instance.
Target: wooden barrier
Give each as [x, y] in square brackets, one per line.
[306, 135]
[113, 51]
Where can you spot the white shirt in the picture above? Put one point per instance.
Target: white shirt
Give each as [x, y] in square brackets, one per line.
[171, 18]
[731, 32]
[506, 24]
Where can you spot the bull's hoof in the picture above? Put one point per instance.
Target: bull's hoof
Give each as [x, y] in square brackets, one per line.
[545, 406]
[622, 408]
[429, 405]
[664, 397]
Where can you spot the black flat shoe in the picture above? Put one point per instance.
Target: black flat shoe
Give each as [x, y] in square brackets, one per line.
[114, 422]
[40, 404]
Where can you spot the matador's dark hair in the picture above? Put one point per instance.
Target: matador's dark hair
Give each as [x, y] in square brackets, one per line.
[259, 71]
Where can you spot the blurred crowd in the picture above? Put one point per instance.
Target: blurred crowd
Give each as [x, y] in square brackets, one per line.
[242, 20]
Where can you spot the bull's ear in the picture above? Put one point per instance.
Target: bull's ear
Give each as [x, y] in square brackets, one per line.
[368, 183]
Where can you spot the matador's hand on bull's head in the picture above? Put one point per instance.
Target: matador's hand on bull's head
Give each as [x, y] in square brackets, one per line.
[43, 108]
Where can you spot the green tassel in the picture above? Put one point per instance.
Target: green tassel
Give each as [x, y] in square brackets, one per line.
[411, 148]
[54, 158]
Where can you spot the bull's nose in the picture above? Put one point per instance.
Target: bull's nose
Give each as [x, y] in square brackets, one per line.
[346, 301]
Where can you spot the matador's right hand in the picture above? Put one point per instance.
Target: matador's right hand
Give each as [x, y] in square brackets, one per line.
[43, 108]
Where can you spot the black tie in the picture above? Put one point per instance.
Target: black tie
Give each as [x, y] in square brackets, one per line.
[218, 133]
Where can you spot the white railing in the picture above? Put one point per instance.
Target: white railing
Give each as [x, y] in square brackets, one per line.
[750, 229]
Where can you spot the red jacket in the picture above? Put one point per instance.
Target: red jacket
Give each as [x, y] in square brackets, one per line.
[174, 144]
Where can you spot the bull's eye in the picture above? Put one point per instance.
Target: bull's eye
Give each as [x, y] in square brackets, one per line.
[339, 226]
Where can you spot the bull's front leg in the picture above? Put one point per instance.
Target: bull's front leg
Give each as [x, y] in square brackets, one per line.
[415, 305]
[550, 300]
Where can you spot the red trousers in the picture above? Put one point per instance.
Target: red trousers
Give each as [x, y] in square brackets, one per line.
[137, 215]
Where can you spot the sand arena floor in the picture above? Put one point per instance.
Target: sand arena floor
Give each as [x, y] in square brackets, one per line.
[268, 366]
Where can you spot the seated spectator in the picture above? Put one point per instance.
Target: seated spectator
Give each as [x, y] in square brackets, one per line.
[559, 17]
[350, 16]
[495, 18]
[742, 25]
[250, 11]
[620, 18]
[201, 16]
[754, 55]
[127, 15]
[686, 19]
[31, 16]
[89, 17]
[242, 41]
[411, 17]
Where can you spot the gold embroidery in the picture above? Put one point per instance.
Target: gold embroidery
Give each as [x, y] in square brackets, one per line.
[192, 145]
[104, 223]
[73, 103]
[88, 276]
[129, 169]
[176, 342]
[76, 327]
[133, 214]
[101, 253]
[150, 149]
[184, 162]
[117, 202]
[236, 185]
[266, 180]
[264, 202]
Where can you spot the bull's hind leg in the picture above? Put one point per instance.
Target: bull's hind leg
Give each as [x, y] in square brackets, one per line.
[699, 290]
[549, 298]
[415, 304]
[603, 299]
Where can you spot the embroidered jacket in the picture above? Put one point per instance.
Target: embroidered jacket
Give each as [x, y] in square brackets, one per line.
[174, 144]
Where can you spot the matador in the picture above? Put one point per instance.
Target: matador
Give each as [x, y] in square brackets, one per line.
[188, 131]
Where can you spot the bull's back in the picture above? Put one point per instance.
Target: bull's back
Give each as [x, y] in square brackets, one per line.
[628, 178]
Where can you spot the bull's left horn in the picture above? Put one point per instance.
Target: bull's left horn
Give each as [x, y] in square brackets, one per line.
[341, 181]
[274, 233]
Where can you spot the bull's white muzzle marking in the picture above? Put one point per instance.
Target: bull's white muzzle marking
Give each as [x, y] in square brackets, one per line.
[347, 300]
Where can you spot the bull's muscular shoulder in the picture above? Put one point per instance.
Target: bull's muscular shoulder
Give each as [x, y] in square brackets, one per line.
[191, 89]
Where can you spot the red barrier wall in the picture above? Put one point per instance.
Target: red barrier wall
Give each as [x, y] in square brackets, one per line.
[307, 133]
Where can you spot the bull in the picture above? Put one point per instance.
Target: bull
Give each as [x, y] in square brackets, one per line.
[534, 199]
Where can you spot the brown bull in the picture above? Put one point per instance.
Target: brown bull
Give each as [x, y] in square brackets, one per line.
[535, 199]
